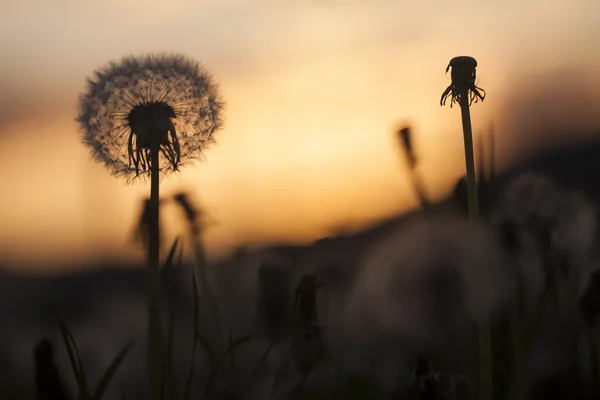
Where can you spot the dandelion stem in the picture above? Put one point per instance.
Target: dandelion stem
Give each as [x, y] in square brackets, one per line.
[485, 351]
[469, 157]
[205, 284]
[154, 355]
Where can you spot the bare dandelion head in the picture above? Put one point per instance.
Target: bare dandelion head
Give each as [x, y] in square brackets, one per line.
[165, 103]
[463, 76]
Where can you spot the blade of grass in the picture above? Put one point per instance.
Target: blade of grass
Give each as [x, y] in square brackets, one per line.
[168, 370]
[593, 361]
[229, 345]
[171, 255]
[188, 383]
[111, 370]
[202, 266]
[213, 358]
[528, 341]
[262, 360]
[492, 154]
[74, 358]
[208, 348]
[280, 371]
[233, 346]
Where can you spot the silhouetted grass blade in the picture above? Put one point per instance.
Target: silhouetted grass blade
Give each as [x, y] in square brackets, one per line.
[188, 383]
[233, 345]
[110, 371]
[75, 359]
[168, 358]
[171, 255]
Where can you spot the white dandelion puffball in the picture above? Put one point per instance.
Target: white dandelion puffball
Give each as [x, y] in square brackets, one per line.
[166, 102]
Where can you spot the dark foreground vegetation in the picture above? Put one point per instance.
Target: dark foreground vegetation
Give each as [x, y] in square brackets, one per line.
[386, 312]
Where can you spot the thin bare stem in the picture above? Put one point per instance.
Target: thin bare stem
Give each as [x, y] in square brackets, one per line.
[209, 295]
[154, 355]
[485, 346]
[411, 161]
[469, 158]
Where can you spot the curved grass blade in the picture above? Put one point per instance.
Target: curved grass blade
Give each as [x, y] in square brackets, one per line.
[188, 383]
[171, 255]
[492, 154]
[74, 359]
[229, 345]
[528, 340]
[261, 361]
[237, 343]
[234, 345]
[110, 371]
[168, 371]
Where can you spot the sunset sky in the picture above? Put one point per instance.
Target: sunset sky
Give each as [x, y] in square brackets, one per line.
[314, 91]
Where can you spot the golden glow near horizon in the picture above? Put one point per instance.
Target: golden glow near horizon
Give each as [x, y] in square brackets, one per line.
[314, 91]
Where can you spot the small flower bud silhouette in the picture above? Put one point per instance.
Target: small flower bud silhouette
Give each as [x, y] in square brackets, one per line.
[166, 102]
[305, 297]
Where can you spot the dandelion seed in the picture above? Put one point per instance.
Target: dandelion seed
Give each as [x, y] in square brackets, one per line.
[165, 102]
[554, 230]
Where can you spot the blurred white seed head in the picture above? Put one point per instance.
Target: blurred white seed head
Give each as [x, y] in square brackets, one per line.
[417, 289]
[549, 221]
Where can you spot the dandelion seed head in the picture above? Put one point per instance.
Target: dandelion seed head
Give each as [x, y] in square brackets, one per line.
[167, 101]
[463, 82]
[550, 222]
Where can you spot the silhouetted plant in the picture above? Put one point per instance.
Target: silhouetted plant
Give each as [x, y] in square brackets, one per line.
[196, 221]
[486, 178]
[135, 110]
[274, 301]
[463, 91]
[305, 298]
[422, 384]
[406, 144]
[141, 232]
[49, 384]
[84, 390]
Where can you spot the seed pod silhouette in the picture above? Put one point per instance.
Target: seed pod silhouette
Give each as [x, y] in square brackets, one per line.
[49, 385]
[305, 299]
[274, 305]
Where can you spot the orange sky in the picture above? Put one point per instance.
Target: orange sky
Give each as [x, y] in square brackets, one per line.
[314, 90]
